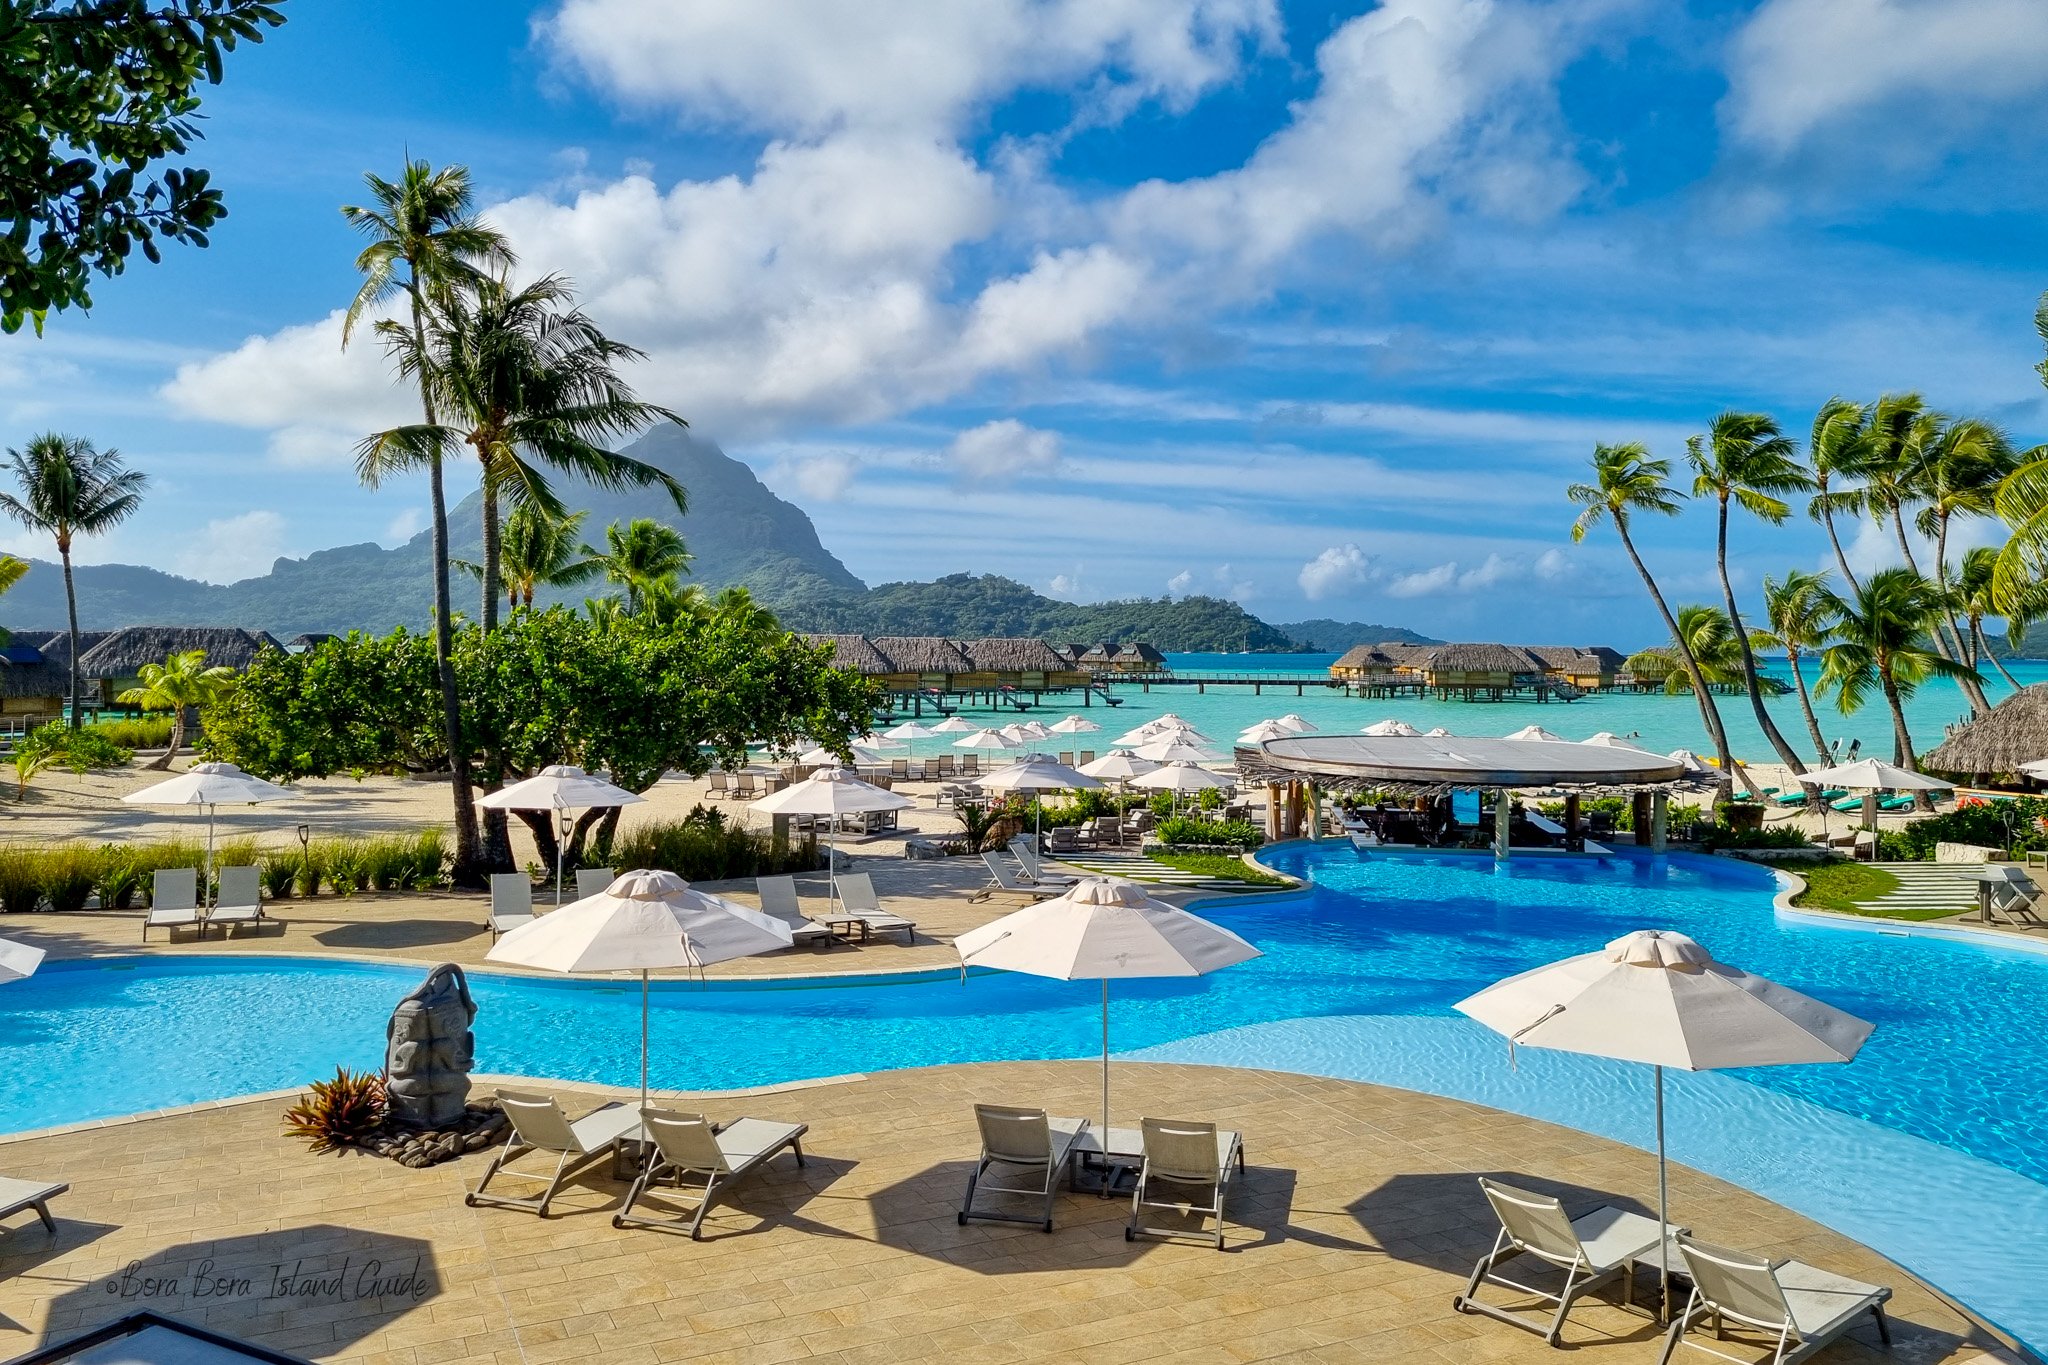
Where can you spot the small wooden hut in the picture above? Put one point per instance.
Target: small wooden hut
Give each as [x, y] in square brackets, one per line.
[1138, 657]
[1099, 657]
[1588, 667]
[1472, 671]
[1996, 743]
[922, 662]
[115, 663]
[856, 652]
[1366, 664]
[1017, 661]
[31, 687]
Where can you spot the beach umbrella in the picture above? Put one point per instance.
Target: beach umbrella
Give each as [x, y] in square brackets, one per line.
[1391, 727]
[1181, 777]
[1036, 773]
[1103, 930]
[986, 739]
[1658, 998]
[18, 961]
[642, 922]
[877, 743]
[210, 785]
[1607, 739]
[1536, 732]
[1073, 725]
[1263, 731]
[1301, 725]
[955, 725]
[2038, 769]
[1172, 749]
[830, 792]
[1694, 765]
[561, 789]
[1870, 777]
[1118, 765]
[821, 757]
[1033, 730]
[1016, 734]
[1438, 733]
[910, 729]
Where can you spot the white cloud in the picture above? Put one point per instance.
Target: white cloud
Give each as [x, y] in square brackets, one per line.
[1179, 583]
[998, 451]
[1066, 586]
[231, 549]
[1552, 566]
[405, 526]
[1493, 570]
[1334, 570]
[1425, 582]
[1800, 67]
[817, 478]
[1236, 589]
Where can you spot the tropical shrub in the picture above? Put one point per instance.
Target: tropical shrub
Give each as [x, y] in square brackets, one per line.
[56, 745]
[343, 1112]
[1160, 804]
[118, 879]
[347, 860]
[312, 869]
[21, 887]
[66, 874]
[279, 873]
[1774, 836]
[2011, 825]
[979, 823]
[705, 849]
[1181, 831]
[147, 732]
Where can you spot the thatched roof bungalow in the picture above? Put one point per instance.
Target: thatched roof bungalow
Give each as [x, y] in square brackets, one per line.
[2012, 733]
[1139, 657]
[1364, 663]
[1588, 666]
[311, 639]
[921, 662]
[1480, 667]
[31, 687]
[856, 652]
[121, 655]
[55, 645]
[1016, 661]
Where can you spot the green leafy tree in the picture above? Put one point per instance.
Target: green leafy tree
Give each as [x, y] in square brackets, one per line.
[643, 557]
[1881, 645]
[528, 384]
[1801, 611]
[70, 488]
[424, 244]
[1628, 481]
[181, 681]
[98, 94]
[540, 551]
[1744, 459]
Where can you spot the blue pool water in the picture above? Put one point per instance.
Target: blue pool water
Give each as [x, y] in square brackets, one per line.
[1357, 979]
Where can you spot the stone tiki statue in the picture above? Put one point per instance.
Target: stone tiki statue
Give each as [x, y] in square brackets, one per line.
[429, 1049]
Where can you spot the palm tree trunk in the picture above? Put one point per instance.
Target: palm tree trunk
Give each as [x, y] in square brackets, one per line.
[1905, 545]
[1952, 645]
[1786, 753]
[71, 614]
[1709, 712]
[1820, 743]
[1827, 519]
[462, 792]
[177, 739]
[492, 549]
[1984, 648]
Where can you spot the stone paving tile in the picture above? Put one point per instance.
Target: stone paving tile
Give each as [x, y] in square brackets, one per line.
[1356, 1223]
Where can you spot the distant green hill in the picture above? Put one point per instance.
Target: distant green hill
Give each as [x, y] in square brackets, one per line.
[1324, 636]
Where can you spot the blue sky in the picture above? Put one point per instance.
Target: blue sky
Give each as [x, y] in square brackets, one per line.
[1315, 305]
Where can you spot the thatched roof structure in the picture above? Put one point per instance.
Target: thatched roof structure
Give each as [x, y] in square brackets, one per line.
[923, 654]
[1365, 656]
[1138, 652]
[55, 645]
[856, 652]
[1579, 658]
[312, 639]
[2013, 732]
[39, 678]
[123, 653]
[1012, 654]
[1101, 652]
[1482, 658]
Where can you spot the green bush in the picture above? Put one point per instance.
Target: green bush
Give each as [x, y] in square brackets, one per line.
[1160, 804]
[312, 869]
[346, 861]
[1181, 831]
[149, 732]
[57, 745]
[2011, 825]
[706, 849]
[429, 858]
[1775, 836]
[387, 862]
[280, 874]
[21, 887]
[66, 874]
[118, 879]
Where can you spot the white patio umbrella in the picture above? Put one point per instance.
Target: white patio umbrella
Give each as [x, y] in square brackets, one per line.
[1301, 725]
[561, 789]
[955, 725]
[1607, 739]
[910, 729]
[1870, 776]
[1181, 777]
[1035, 730]
[1073, 725]
[1118, 765]
[1103, 929]
[1016, 734]
[875, 743]
[992, 740]
[1535, 732]
[2038, 769]
[1036, 773]
[1390, 727]
[1694, 765]
[1438, 733]
[210, 785]
[1263, 731]
[641, 922]
[1172, 749]
[830, 792]
[1152, 730]
[18, 961]
[1656, 997]
[822, 757]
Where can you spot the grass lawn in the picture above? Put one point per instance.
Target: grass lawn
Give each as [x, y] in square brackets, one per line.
[1219, 866]
[1849, 887]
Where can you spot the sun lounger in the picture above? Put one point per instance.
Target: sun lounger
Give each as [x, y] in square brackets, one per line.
[1190, 1164]
[17, 1195]
[1034, 870]
[1002, 878]
[1803, 1307]
[539, 1125]
[2014, 903]
[720, 784]
[174, 902]
[1032, 1148]
[859, 904]
[240, 900]
[511, 902]
[1087, 756]
[591, 881]
[1591, 1250]
[1900, 802]
[685, 1145]
[779, 901]
[743, 787]
[970, 765]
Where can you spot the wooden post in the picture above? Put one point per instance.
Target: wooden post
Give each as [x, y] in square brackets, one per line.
[1660, 820]
[1273, 811]
[1503, 808]
[1639, 805]
[1315, 811]
[1574, 841]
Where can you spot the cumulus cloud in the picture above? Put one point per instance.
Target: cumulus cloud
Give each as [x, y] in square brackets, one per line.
[996, 452]
[1425, 582]
[1179, 583]
[231, 549]
[1235, 588]
[405, 526]
[817, 478]
[1493, 571]
[1552, 565]
[1801, 67]
[1334, 570]
[1066, 585]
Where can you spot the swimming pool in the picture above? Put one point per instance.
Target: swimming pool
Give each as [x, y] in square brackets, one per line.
[1942, 1111]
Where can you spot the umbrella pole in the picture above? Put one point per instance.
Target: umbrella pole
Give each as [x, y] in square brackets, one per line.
[209, 857]
[643, 1040]
[1663, 1213]
[1105, 1064]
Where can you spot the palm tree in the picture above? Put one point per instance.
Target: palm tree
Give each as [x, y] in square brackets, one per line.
[643, 557]
[1975, 595]
[183, 680]
[1744, 458]
[2021, 502]
[426, 243]
[539, 551]
[1707, 634]
[69, 489]
[527, 382]
[1801, 612]
[1900, 424]
[1881, 634]
[1626, 481]
[1841, 436]
[1957, 473]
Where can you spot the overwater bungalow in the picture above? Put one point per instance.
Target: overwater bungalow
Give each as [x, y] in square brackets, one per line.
[115, 663]
[1590, 668]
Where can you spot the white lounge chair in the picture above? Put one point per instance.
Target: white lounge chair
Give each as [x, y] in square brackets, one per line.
[511, 902]
[539, 1125]
[240, 899]
[16, 1195]
[1025, 1141]
[685, 1145]
[592, 880]
[858, 902]
[1002, 878]
[1803, 1307]
[1591, 1250]
[174, 902]
[1034, 870]
[779, 901]
[1189, 1163]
